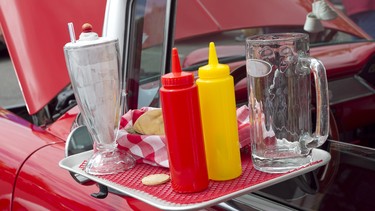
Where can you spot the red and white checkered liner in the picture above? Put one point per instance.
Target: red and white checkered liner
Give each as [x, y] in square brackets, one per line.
[152, 149]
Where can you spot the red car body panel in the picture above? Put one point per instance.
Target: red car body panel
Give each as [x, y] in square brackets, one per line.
[58, 188]
[62, 127]
[36, 32]
[21, 140]
[349, 119]
[345, 59]
[30, 170]
[339, 60]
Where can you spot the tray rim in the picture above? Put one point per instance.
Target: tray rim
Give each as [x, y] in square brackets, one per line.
[73, 162]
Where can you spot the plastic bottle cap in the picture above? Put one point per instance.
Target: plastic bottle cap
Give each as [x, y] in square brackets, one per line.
[177, 78]
[213, 69]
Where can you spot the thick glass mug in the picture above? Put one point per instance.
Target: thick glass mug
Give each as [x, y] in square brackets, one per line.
[279, 87]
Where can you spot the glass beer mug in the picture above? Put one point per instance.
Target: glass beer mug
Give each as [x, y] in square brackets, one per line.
[279, 86]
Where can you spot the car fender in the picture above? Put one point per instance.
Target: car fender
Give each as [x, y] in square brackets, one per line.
[54, 187]
[19, 139]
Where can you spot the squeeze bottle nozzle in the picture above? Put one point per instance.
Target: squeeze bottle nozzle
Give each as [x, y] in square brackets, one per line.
[213, 69]
[212, 56]
[176, 66]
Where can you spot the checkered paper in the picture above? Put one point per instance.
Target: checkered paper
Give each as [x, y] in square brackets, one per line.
[152, 149]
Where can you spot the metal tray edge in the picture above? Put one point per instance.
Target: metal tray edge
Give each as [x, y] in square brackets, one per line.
[72, 163]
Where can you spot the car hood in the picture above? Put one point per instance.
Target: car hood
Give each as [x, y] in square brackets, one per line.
[35, 32]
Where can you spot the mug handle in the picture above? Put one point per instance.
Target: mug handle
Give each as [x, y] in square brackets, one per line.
[322, 102]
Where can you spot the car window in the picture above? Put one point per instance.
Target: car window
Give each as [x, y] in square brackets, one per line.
[150, 52]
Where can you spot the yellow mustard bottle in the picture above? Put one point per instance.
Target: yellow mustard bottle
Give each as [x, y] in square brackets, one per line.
[219, 120]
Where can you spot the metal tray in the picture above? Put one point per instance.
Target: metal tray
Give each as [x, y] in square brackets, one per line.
[163, 197]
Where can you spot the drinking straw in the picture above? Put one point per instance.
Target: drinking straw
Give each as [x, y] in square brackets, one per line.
[71, 32]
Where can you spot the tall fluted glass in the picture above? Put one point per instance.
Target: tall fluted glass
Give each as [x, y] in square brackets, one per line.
[95, 75]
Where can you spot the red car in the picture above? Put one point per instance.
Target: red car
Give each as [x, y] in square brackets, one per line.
[33, 137]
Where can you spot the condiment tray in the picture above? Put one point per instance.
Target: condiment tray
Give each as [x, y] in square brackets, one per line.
[163, 197]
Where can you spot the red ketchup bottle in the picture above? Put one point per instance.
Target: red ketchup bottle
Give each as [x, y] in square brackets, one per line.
[183, 130]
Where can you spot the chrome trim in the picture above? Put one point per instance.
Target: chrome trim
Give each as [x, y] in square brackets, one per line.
[43, 117]
[350, 88]
[78, 121]
[118, 23]
[364, 83]
[169, 34]
[256, 202]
